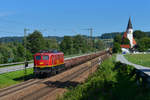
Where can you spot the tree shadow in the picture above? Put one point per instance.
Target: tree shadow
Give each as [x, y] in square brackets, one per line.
[145, 70]
[26, 77]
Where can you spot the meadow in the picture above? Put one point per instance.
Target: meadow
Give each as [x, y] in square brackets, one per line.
[11, 78]
[140, 59]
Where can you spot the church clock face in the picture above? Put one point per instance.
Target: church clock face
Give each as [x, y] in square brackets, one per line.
[130, 31]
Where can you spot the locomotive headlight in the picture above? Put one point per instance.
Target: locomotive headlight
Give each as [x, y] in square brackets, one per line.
[41, 63]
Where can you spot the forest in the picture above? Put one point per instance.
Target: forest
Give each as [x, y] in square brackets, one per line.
[12, 48]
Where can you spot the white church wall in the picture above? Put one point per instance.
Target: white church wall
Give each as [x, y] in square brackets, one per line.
[125, 50]
[130, 36]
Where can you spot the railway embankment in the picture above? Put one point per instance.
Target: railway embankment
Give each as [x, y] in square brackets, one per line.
[112, 81]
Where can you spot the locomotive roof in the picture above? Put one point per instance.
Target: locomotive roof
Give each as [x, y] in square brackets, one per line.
[48, 53]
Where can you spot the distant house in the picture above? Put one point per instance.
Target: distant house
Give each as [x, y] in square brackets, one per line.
[128, 35]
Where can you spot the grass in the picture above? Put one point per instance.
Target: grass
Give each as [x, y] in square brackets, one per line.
[15, 77]
[112, 81]
[140, 59]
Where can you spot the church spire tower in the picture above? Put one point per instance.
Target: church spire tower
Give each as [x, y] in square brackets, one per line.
[129, 32]
[128, 35]
[129, 24]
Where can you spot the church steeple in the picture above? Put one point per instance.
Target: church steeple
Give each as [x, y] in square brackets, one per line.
[129, 24]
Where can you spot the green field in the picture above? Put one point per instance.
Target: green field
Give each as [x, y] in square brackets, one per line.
[112, 81]
[140, 59]
[15, 77]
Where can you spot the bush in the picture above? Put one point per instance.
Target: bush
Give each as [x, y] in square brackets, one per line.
[112, 81]
[116, 48]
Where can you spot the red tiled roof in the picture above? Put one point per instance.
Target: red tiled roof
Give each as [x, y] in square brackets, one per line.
[125, 35]
[134, 42]
[125, 46]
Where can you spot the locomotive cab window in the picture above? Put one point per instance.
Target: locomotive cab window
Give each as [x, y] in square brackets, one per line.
[38, 57]
[45, 57]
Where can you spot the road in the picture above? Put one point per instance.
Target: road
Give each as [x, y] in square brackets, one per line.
[122, 59]
[21, 67]
[14, 68]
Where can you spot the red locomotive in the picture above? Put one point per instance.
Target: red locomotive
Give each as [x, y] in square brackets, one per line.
[46, 62]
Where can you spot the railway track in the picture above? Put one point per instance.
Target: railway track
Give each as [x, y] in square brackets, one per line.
[17, 87]
[51, 86]
[48, 86]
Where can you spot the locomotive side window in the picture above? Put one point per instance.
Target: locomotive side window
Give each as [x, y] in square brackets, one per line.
[45, 57]
[58, 57]
[38, 57]
[52, 60]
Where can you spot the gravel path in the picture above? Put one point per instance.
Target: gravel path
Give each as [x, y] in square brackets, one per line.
[122, 59]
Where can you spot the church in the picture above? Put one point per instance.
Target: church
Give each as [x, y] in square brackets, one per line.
[127, 48]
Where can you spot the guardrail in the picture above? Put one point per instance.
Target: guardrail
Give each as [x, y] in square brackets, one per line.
[16, 63]
[142, 75]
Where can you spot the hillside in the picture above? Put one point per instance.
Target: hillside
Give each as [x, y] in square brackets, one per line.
[59, 39]
[19, 39]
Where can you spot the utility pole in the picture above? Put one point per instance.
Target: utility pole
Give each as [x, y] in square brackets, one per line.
[91, 44]
[25, 52]
[91, 34]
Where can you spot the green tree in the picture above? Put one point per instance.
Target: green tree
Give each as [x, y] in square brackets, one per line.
[125, 41]
[99, 45]
[6, 54]
[143, 44]
[81, 44]
[66, 45]
[139, 34]
[118, 39]
[20, 50]
[51, 44]
[116, 48]
[35, 42]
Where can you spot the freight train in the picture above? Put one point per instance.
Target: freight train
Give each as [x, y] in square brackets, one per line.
[52, 62]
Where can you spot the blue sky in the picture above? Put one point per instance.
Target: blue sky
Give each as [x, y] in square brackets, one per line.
[71, 17]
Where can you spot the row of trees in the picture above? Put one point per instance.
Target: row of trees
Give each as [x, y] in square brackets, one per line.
[14, 51]
[80, 44]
